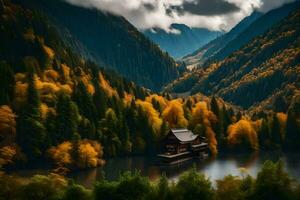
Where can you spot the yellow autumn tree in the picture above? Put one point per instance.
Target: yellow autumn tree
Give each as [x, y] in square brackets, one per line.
[160, 99]
[242, 135]
[7, 125]
[61, 156]
[174, 115]
[152, 115]
[89, 154]
[201, 115]
[282, 118]
[106, 86]
[7, 154]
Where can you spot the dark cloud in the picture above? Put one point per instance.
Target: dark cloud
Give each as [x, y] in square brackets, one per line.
[206, 7]
[149, 6]
[211, 14]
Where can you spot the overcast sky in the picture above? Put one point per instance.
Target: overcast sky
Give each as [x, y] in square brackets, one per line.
[211, 14]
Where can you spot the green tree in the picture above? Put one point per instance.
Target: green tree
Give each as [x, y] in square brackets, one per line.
[192, 186]
[219, 126]
[67, 119]
[133, 186]
[163, 191]
[105, 190]
[7, 82]
[264, 134]
[292, 139]
[77, 192]
[108, 128]
[31, 131]
[85, 102]
[276, 137]
[43, 188]
[273, 183]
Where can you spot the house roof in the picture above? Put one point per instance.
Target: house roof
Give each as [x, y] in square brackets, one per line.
[184, 135]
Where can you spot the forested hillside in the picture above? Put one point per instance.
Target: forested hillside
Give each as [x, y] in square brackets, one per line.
[200, 56]
[185, 41]
[111, 41]
[266, 69]
[249, 28]
[56, 106]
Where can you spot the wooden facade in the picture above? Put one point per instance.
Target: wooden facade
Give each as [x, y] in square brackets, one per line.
[181, 145]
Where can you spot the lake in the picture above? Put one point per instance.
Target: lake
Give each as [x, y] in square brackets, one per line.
[214, 168]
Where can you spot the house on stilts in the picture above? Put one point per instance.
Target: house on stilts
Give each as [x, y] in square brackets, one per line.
[181, 145]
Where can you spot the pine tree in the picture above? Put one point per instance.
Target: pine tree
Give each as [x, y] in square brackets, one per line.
[31, 131]
[218, 128]
[85, 102]
[292, 139]
[99, 98]
[7, 82]
[275, 131]
[67, 119]
[264, 134]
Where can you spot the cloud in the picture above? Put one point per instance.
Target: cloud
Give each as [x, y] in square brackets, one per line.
[205, 7]
[210, 14]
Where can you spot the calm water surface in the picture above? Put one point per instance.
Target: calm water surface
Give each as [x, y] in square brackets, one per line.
[214, 168]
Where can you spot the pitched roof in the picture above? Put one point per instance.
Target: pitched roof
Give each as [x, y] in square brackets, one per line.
[184, 135]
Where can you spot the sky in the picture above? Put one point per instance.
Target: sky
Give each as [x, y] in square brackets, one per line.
[217, 15]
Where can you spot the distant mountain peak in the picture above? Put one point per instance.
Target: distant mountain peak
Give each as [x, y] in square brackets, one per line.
[182, 40]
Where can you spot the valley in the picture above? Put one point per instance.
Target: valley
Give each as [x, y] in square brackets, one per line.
[86, 95]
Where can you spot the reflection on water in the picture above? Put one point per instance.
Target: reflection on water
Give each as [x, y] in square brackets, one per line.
[215, 168]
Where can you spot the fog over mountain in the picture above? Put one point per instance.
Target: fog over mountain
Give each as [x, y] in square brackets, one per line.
[213, 14]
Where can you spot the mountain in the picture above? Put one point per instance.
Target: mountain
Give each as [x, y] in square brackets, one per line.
[264, 70]
[111, 41]
[210, 49]
[258, 27]
[241, 34]
[185, 41]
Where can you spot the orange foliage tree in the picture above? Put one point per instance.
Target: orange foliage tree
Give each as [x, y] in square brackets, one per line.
[61, 156]
[7, 155]
[152, 115]
[89, 154]
[201, 115]
[174, 115]
[242, 135]
[7, 125]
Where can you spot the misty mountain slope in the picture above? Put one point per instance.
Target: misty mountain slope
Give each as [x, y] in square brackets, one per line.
[258, 27]
[112, 41]
[267, 64]
[185, 42]
[240, 35]
[210, 49]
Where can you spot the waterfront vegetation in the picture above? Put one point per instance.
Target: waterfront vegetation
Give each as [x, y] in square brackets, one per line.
[59, 107]
[272, 182]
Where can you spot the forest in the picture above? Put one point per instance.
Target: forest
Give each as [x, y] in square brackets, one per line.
[60, 108]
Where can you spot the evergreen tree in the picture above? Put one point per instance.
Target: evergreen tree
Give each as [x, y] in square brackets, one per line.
[292, 139]
[7, 82]
[67, 119]
[99, 98]
[275, 131]
[218, 127]
[84, 102]
[50, 125]
[31, 131]
[264, 134]
[108, 130]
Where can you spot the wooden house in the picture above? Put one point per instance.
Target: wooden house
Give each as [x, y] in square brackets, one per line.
[182, 144]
